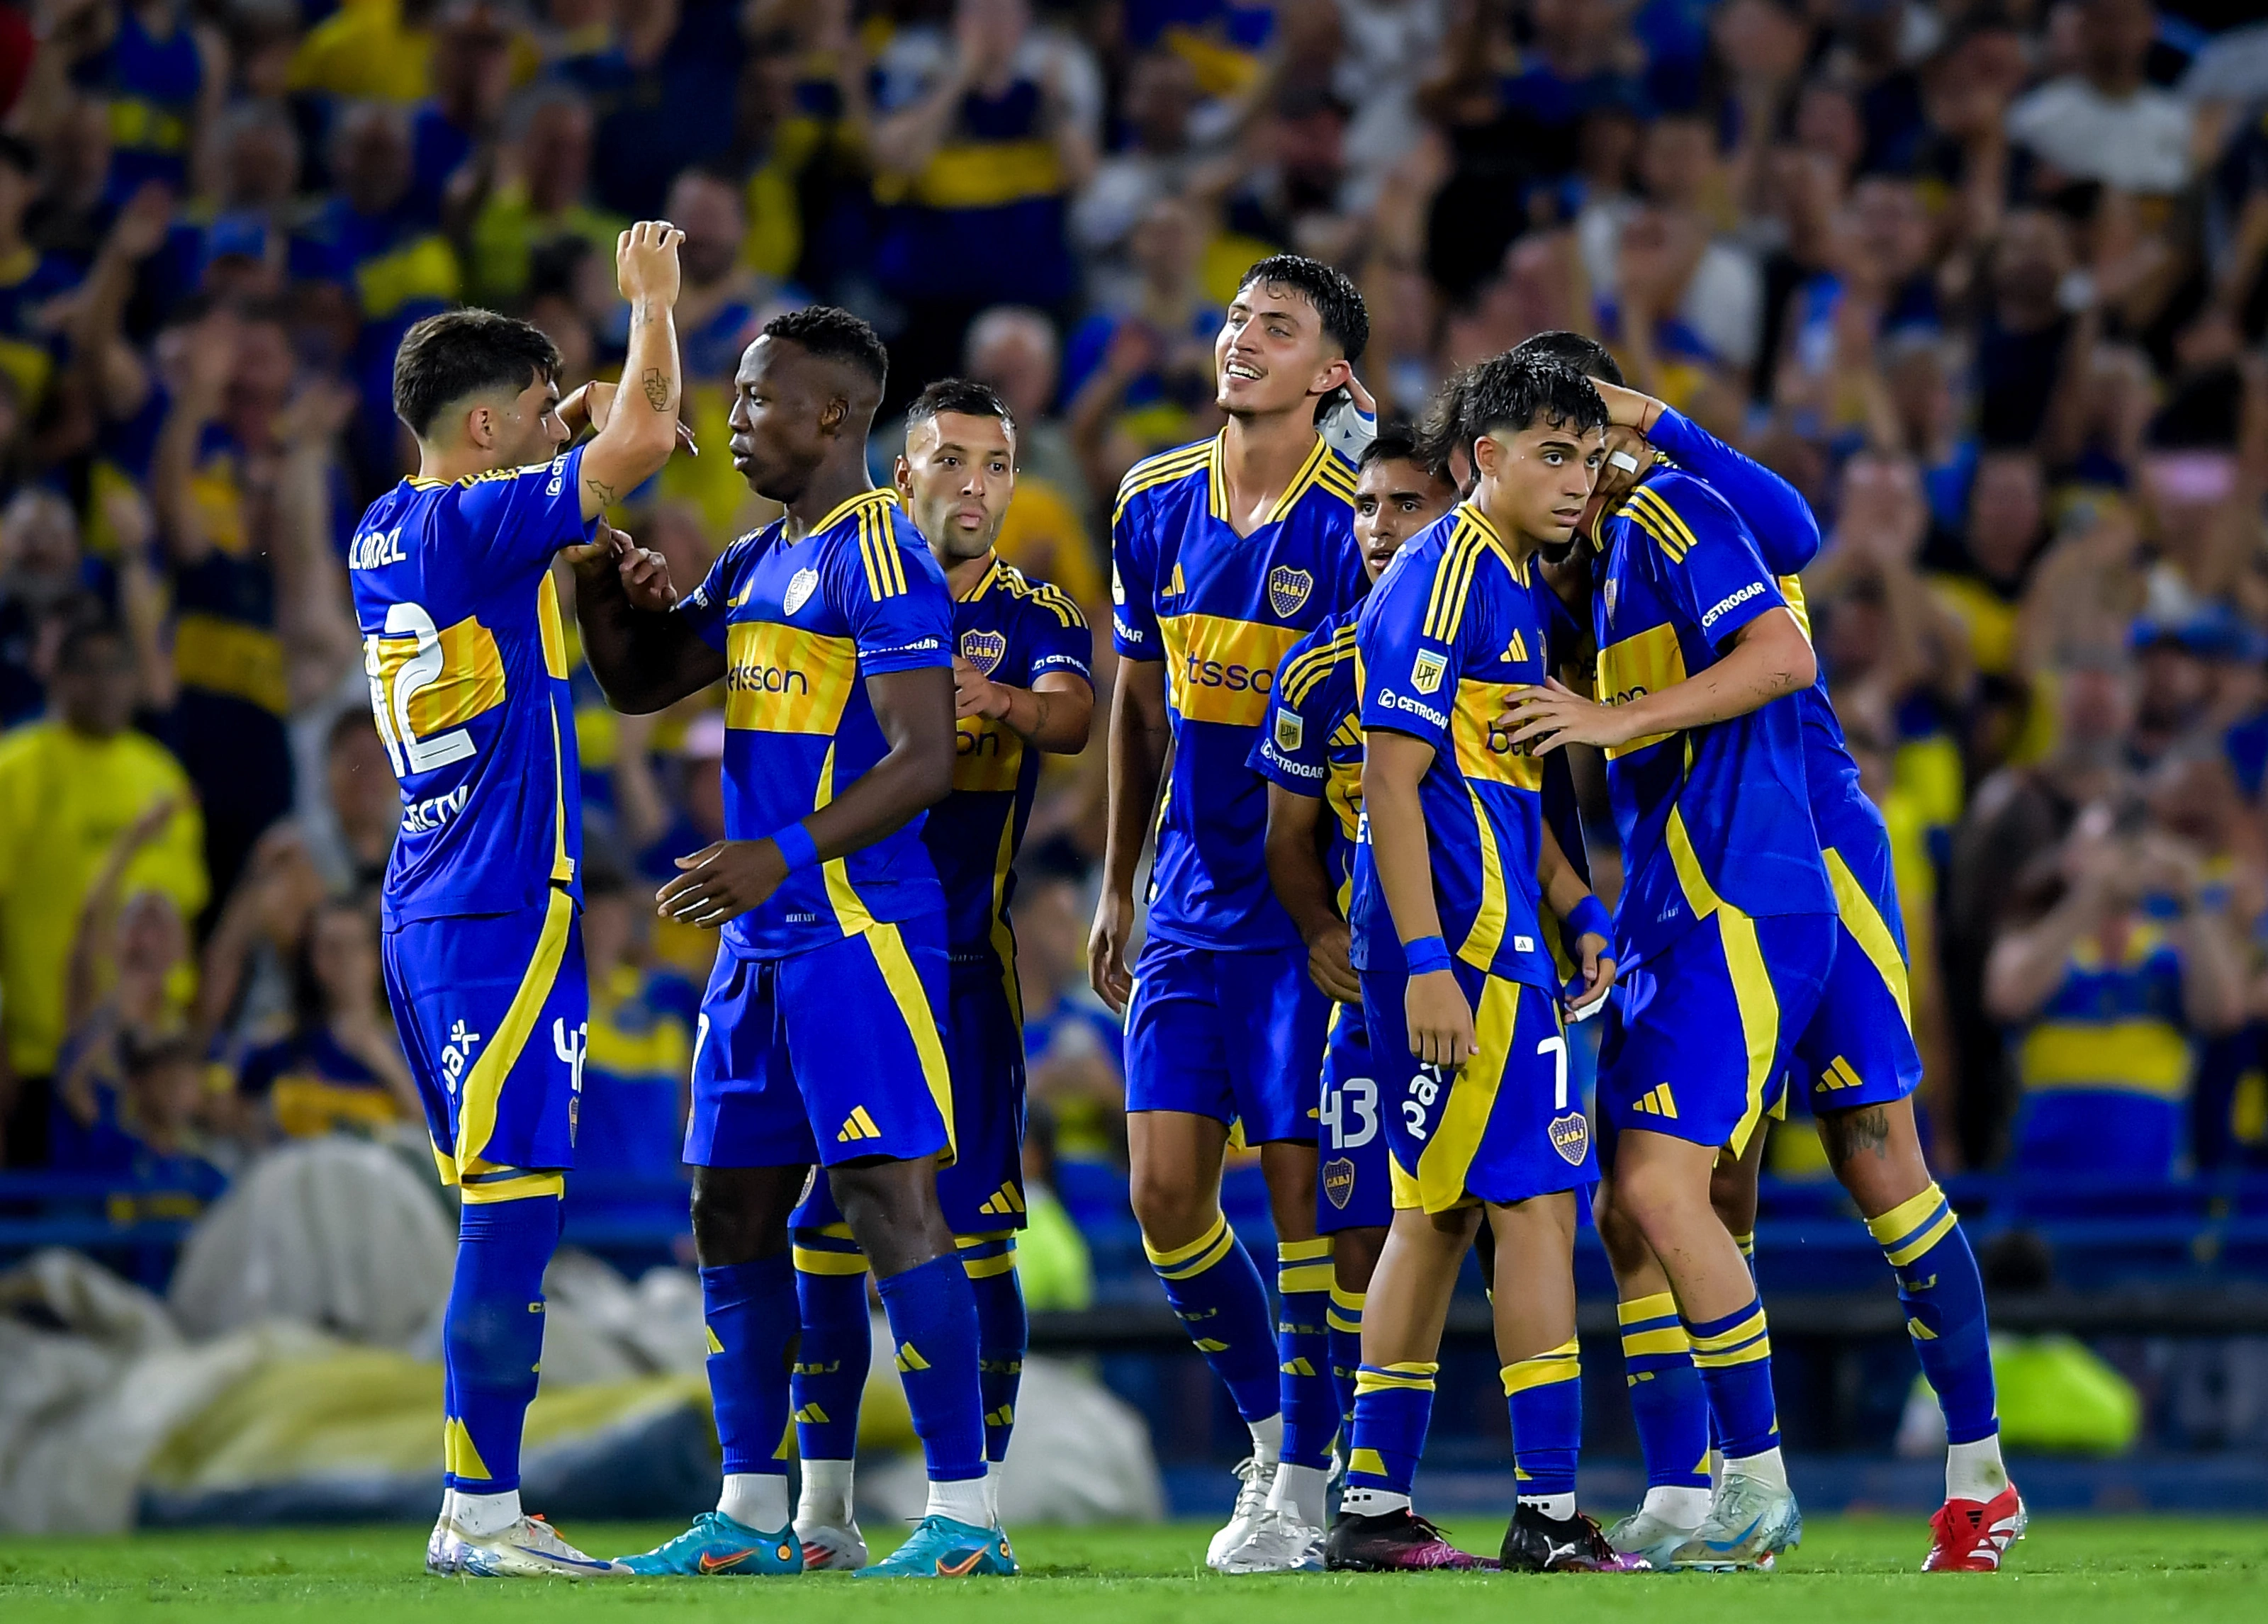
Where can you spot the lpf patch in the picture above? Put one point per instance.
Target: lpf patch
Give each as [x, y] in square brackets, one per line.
[1290, 729]
[1288, 589]
[984, 649]
[1571, 1136]
[1425, 672]
[1338, 1181]
[800, 586]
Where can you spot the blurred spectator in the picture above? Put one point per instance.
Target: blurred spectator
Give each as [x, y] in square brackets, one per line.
[340, 1068]
[630, 1121]
[536, 195]
[1072, 1044]
[163, 77]
[351, 845]
[2112, 967]
[662, 80]
[41, 572]
[68, 787]
[1053, 1265]
[1046, 533]
[2105, 121]
[153, 1144]
[1142, 381]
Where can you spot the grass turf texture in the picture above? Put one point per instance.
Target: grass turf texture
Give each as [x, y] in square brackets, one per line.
[2070, 1570]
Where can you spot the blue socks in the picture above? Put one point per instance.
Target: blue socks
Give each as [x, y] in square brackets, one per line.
[1002, 1332]
[1303, 1351]
[830, 1364]
[1665, 1392]
[1944, 1301]
[933, 1316]
[1393, 1406]
[1345, 1321]
[1544, 1393]
[751, 1314]
[1733, 1355]
[492, 1337]
[1216, 1294]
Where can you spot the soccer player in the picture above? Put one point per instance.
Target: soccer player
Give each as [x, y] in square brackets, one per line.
[818, 1042]
[1310, 752]
[482, 949]
[1224, 553]
[1484, 1127]
[1725, 925]
[1858, 1058]
[1023, 689]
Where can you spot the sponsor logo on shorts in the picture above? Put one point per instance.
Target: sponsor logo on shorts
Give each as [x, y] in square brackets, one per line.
[1731, 602]
[1338, 1181]
[1571, 1136]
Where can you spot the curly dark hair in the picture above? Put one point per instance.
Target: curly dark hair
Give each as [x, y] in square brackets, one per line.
[1510, 390]
[1578, 351]
[835, 334]
[1337, 301]
[460, 353]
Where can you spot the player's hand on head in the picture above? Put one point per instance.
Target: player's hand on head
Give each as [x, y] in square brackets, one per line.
[646, 262]
[1330, 965]
[1106, 951]
[721, 881]
[1439, 1020]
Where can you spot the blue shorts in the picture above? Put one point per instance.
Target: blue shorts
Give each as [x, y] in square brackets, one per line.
[1508, 1125]
[1697, 1043]
[2099, 1132]
[1354, 1187]
[494, 1010]
[1858, 1048]
[982, 1192]
[828, 1055]
[1236, 1037]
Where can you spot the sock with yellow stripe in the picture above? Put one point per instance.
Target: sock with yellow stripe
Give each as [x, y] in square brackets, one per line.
[1747, 1245]
[1002, 1331]
[1303, 1351]
[1943, 1296]
[1544, 1394]
[838, 1346]
[1345, 1321]
[1733, 1355]
[1216, 1294]
[933, 1316]
[751, 1314]
[1393, 1406]
[492, 1338]
[1666, 1401]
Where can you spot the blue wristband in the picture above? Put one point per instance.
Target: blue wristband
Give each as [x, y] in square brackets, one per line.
[1425, 955]
[1590, 917]
[795, 846]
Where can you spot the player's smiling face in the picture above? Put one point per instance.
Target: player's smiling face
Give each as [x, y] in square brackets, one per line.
[1394, 499]
[1271, 355]
[779, 418]
[956, 476]
[1535, 483]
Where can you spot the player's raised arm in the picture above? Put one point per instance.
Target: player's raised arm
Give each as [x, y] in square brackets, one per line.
[641, 430]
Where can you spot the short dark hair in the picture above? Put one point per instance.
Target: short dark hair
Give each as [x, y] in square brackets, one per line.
[1577, 351]
[1396, 442]
[964, 395]
[835, 334]
[86, 624]
[1510, 390]
[19, 155]
[460, 353]
[1337, 301]
[142, 1053]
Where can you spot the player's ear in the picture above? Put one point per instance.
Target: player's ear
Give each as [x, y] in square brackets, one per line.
[832, 415]
[902, 475]
[481, 426]
[1334, 372]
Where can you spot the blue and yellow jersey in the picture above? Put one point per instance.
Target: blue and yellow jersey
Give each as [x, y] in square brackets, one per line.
[1311, 741]
[632, 1120]
[151, 87]
[312, 1086]
[1717, 813]
[2116, 1024]
[1015, 631]
[467, 666]
[1451, 628]
[29, 351]
[1221, 610]
[802, 625]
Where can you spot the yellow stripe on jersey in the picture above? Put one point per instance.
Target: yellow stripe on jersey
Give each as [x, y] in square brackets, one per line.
[1644, 663]
[1481, 942]
[1221, 670]
[476, 1112]
[563, 862]
[548, 622]
[851, 911]
[467, 681]
[1790, 587]
[781, 679]
[1161, 469]
[1303, 675]
[1653, 514]
[1484, 751]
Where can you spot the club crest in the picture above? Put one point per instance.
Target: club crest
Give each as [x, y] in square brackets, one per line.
[1571, 1136]
[1290, 729]
[984, 649]
[1338, 1181]
[1287, 590]
[1425, 672]
[800, 586]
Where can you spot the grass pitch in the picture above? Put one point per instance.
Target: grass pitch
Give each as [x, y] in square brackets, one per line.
[2069, 1570]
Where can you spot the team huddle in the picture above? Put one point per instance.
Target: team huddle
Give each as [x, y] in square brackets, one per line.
[1338, 725]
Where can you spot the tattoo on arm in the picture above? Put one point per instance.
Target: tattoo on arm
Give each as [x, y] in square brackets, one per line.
[1849, 1134]
[603, 491]
[657, 388]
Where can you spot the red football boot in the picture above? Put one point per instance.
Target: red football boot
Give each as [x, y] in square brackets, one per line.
[1970, 1536]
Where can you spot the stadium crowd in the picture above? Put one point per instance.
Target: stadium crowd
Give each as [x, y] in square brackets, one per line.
[1987, 281]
